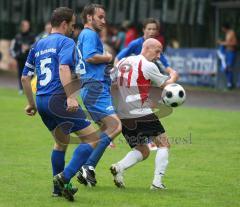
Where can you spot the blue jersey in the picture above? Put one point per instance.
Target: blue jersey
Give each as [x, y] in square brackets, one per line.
[88, 45]
[45, 57]
[135, 48]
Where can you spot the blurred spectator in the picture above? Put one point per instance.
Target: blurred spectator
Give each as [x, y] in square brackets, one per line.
[150, 30]
[120, 40]
[160, 37]
[20, 47]
[131, 32]
[227, 53]
[105, 40]
[46, 32]
[77, 28]
[174, 43]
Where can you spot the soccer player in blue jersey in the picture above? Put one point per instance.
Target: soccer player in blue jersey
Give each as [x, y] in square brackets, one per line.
[96, 95]
[150, 30]
[53, 60]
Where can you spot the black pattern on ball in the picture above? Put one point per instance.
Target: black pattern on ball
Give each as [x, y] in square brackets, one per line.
[169, 94]
[174, 104]
[181, 94]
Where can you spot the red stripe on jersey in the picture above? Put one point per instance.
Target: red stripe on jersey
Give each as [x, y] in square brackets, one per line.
[121, 78]
[142, 83]
[122, 71]
[129, 77]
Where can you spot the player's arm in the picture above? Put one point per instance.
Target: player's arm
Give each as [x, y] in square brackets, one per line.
[90, 50]
[97, 58]
[66, 60]
[124, 53]
[173, 75]
[27, 74]
[68, 85]
[151, 72]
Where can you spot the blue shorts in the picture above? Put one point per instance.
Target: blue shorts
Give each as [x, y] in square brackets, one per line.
[96, 96]
[52, 109]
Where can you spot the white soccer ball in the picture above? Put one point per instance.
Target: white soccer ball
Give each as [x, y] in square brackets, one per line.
[173, 95]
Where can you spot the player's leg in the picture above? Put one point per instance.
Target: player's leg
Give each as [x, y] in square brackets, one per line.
[58, 158]
[58, 163]
[230, 61]
[98, 101]
[161, 160]
[62, 124]
[133, 131]
[139, 153]
[81, 153]
[112, 126]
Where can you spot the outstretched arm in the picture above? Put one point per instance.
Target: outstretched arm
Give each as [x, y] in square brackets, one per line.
[31, 108]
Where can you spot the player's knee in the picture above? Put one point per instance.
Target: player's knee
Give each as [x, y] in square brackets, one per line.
[60, 147]
[119, 127]
[162, 141]
[144, 150]
[114, 128]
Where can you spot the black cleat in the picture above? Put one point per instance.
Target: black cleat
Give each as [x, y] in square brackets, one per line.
[86, 176]
[66, 189]
[58, 193]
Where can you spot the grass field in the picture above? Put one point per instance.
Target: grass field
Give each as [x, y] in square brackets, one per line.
[204, 167]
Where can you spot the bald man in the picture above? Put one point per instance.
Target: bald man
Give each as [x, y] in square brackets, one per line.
[135, 75]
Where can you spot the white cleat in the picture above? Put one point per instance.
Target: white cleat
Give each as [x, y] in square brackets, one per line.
[158, 187]
[117, 175]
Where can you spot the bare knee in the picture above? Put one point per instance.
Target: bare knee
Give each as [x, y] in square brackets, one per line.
[162, 141]
[60, 147]
[144, 150]
[112, 126]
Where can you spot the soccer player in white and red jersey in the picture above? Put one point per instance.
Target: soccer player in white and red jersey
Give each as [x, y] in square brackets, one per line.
[135, 75]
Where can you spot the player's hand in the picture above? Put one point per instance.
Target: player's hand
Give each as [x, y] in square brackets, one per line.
[72, 104]
[109, 57]
[30, 110]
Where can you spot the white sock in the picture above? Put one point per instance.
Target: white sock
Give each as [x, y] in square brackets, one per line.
[130, 159]
[161, 162]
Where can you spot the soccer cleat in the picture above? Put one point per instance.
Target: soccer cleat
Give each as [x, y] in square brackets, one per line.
[66, 189]
[160, 187]
[86, 176]
[117, 175]
[56, 194]
[59, 193]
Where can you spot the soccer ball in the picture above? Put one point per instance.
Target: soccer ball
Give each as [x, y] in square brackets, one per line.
[173, 95]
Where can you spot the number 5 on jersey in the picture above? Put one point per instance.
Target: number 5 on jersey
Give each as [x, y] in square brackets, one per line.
[45, 70]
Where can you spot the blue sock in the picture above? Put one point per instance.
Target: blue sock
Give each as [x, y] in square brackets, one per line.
[97, 153]
[58, 163]
[80, 156]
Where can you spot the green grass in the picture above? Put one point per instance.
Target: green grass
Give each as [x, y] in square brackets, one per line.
[203, 171]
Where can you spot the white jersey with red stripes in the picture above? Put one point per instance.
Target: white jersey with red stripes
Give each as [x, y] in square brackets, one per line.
[135, 75]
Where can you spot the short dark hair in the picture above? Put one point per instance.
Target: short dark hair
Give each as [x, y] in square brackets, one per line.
[61, 14]
[90, 10]
[151, 21]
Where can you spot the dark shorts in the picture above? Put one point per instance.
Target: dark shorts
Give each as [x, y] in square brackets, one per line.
[52, 109]
[141, 130]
